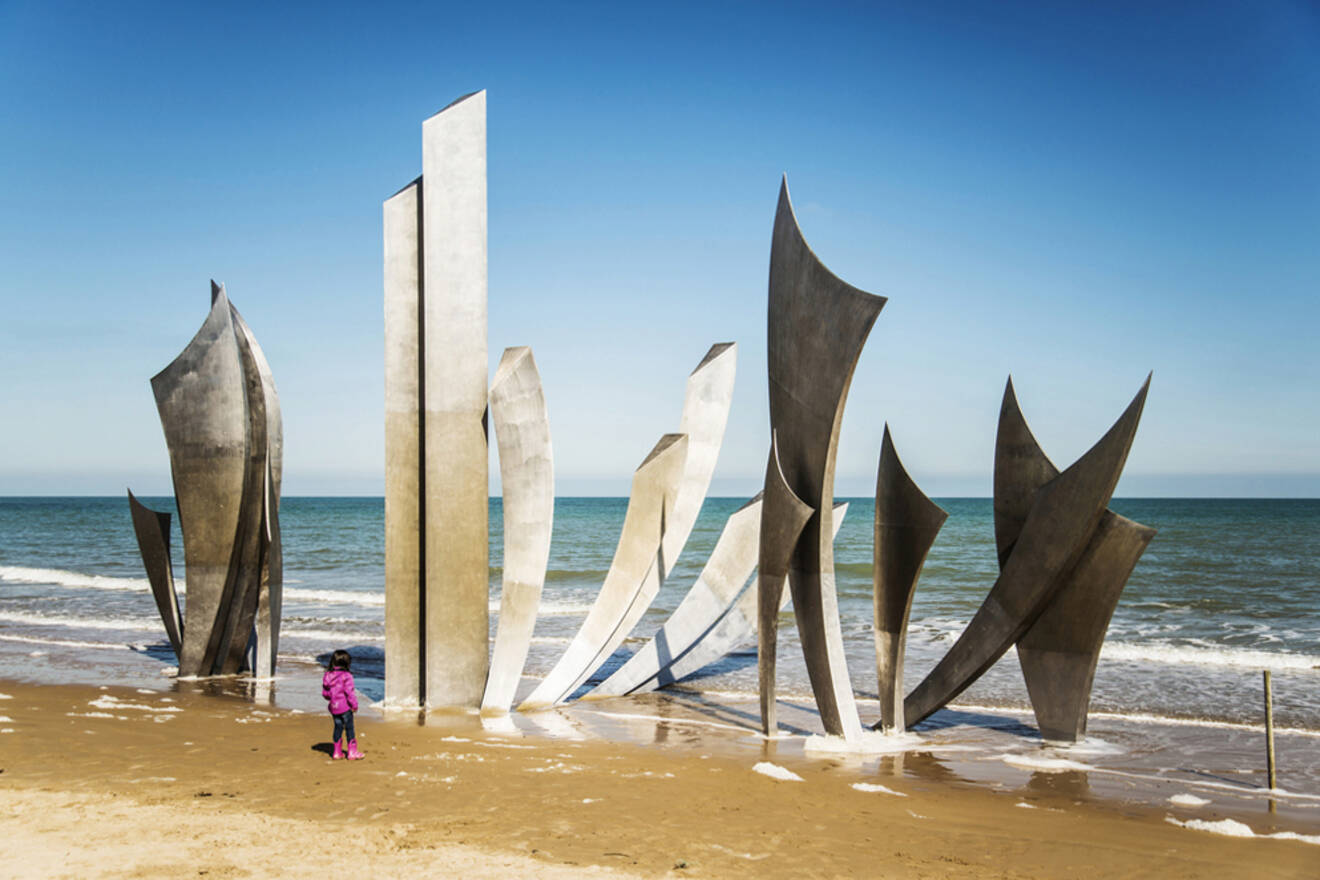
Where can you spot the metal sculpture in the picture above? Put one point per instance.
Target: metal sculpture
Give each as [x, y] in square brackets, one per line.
[779, 537]
[1059, 652]
[220, 413]
[651, 502]
[906, 523]
[717, 587]
[522, 429]
[152, 528]
[705, 626]
[1061, 523]
[816, 327]
[706, 402]
[436, 505]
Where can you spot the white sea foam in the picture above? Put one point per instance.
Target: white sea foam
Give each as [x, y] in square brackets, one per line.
[1188, 800]
[329, 635]
[558, 767]
[60, 578]
[109, 702]
[63, 643]
[6, 719]
[1091, 745]
[1208, 655]
[1024, 805]
[372, 599]
[1043, 764]
[877, 789]
[871, 742]
[1136, 718]
[774, 771]
[1234, 828]
[80, 580]
[132, 624]
[5, 697]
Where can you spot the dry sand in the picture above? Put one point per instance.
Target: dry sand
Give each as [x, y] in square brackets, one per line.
[118, 783]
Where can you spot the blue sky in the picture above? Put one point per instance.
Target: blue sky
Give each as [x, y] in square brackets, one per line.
[1073, 193]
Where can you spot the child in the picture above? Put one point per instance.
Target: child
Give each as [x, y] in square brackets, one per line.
[337, 687]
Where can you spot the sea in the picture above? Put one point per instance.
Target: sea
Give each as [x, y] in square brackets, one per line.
[1228, 589]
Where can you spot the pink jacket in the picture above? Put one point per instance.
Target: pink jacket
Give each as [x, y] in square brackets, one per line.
[337, 687]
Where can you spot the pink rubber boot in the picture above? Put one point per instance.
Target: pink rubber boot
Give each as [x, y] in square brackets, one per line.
[353, 753]
[339, 751]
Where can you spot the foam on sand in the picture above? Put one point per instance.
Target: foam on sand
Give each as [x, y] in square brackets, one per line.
[1188, 800]
[109, 702]
[774, 771]
[871, 787]
[1234, 828]
[1043, 765]
[871, 742]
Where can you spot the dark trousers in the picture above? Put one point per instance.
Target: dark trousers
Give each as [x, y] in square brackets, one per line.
[344, 724]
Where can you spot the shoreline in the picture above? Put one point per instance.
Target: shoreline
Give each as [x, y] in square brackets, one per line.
[632, 790]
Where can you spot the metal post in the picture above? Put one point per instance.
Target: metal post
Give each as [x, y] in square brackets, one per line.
[1269, 729]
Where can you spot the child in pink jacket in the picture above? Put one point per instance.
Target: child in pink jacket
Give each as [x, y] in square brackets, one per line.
[337, 688]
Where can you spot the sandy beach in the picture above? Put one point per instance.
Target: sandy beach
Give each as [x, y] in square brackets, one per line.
[128, 782]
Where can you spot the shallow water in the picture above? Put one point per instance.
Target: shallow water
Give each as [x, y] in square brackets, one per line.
[1226, 589]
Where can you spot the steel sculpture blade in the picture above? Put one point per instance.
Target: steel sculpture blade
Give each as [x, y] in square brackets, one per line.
[731, 629]
[247, 560]
[906, 523]
[270, 464]
[522, 429]
[706, 404]
[270, 596]
[220, 413]
[454, 395]
[437, 552]
[153, 536]
[405, 653]
[1058, 654]
[720, 583]
[783, 517]
[817, 325]
[203, 410]
[650, 505]
[1054, 536]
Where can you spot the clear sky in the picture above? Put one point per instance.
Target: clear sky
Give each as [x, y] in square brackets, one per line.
[1074, 193]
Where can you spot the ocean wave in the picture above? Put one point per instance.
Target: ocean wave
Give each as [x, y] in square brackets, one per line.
[132, 624]
[337, 597]
[1234, 658]
[1133, 717]
[67, 643]
[78, 580]
[330, 635]
[364, 598]
[60, 578]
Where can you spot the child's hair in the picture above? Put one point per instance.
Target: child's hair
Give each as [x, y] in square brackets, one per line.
[341, 660]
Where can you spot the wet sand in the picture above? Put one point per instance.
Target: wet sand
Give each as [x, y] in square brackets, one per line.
[117, 782]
